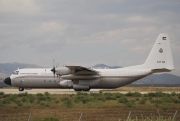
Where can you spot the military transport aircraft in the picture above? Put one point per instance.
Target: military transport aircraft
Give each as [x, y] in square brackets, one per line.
[83, 79]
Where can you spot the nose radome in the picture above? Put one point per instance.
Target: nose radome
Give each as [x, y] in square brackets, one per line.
[7, 81]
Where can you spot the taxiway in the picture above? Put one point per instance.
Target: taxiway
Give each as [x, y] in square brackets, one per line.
[68, 91]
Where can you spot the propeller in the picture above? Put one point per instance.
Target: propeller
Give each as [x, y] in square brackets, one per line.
[53, 69]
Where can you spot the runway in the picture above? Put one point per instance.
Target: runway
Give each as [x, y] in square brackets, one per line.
[51, 91]
[68, 91]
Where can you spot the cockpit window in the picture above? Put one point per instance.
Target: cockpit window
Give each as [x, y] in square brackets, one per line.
[15, 72]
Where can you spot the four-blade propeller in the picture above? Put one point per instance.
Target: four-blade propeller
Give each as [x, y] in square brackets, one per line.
[53, 69]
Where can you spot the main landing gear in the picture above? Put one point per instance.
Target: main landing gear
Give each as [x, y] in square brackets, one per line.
[21, 88]
[78, 90]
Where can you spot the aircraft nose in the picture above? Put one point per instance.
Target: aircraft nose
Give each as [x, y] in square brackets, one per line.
[7, 81]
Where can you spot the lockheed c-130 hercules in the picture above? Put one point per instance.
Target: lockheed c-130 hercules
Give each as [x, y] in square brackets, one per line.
[83, 79]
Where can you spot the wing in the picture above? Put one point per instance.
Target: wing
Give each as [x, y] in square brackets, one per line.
[81, 70]
[81, 73]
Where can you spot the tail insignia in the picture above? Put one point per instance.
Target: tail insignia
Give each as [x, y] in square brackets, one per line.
[161, 50]
[164, 38]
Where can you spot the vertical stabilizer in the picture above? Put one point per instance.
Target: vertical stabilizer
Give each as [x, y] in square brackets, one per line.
[160, 57]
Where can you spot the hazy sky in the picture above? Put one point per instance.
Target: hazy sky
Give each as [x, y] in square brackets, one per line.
[86, 32]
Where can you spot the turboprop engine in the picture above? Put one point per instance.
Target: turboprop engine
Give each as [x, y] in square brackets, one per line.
[61, 71]
[76, 87]
[66, 84]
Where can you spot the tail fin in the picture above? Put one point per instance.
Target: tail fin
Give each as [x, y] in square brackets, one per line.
[160, 58]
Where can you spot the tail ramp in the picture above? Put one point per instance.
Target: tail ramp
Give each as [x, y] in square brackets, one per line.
[160, 58]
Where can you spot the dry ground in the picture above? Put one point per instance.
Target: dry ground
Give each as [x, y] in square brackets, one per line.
[106, 113]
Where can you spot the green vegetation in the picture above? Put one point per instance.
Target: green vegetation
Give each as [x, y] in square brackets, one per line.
[67, 102]
[130, 99]
[85, 100]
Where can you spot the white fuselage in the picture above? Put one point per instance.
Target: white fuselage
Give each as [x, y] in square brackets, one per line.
[108, 78]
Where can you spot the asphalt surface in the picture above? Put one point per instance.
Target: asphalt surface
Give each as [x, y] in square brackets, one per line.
[65, 91]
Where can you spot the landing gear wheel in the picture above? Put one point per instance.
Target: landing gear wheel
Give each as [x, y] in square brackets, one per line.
[21, 88]
[77, 90]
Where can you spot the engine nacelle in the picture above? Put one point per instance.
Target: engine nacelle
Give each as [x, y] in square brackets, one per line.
[63, 71]
[78, 87]
[66, 84]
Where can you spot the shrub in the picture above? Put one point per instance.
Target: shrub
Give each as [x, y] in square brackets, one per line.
[22, 94]
[81, 94]
[110, 96]
[156, 102]
[47, 105]
[160, 94]
[128, 94]
[135, 94]
[1, 104]
[118, 95]
[146, 95]
[71, 95]
[101, 98]
[173, 94]
[30, 96]
[6, 101]
[19, 103]
[85, 100]
[96, 95]
[164, 107]
[130, 103]
[38, 102]
[150, 98]
[2, 93]
[5, 95]
[67, 102]
[48, 98]
[82, 98]
[13, 98]
[23, 99]
[42, 104]
[156, 94]
[57, 101]
[41, 98]
[39, 94]
[142, 101]
[31, 100]
[122, 100]
[137, 99]
[47, 93]
[93, 94]
[175, 100]
[166, 99]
